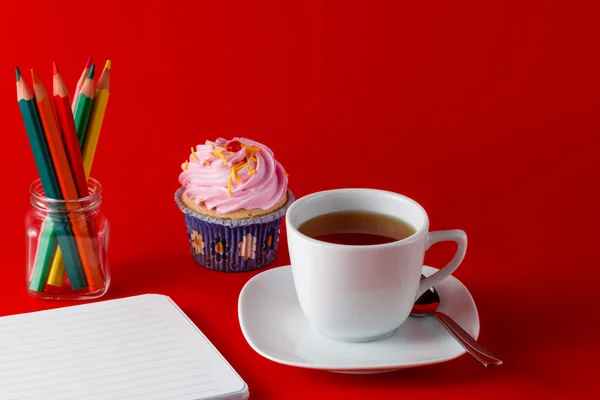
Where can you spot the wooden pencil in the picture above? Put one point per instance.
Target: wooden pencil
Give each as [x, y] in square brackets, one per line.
[83, 237]
[94, 125]
[80, 82]
[69, 134]
[51, 188]
[84, 105]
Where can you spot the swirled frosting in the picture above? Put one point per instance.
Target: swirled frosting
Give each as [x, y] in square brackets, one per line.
[231, 175]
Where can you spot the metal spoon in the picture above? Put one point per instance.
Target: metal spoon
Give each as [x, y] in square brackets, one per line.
[428, 304]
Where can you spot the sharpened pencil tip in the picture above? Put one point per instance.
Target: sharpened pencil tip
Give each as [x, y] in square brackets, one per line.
[18, 71]
[54, 68]
[89, 63]
[91, 73]
[34, 76]
[107, 65]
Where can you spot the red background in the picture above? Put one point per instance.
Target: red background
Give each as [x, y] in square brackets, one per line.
[486, 112]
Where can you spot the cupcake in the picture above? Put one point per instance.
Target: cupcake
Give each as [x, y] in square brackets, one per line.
[233, 196]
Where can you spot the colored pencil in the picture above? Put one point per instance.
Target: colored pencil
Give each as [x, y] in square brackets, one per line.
[51, 188]
[69, 134]
[83, 237]
[84, 75]
[84, 105]
[94, 125]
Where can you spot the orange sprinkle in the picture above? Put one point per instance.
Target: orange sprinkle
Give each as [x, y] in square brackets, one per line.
[223, 159]
[252, 158]
[194, 154]
[229, 187]
[212, 154]
[219, 151]
[285, 173]
[232, 174]
[185, 167]
[251, 171]
[238, 179]
[207, 163]
[239, 166]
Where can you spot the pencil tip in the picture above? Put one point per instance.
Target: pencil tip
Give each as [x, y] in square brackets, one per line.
[107, 66]
[54, 68]
[34, 76]
[89, 62]
[91, 73]
[18, 71]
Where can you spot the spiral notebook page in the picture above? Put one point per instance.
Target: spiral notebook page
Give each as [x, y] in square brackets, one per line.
[141, 347]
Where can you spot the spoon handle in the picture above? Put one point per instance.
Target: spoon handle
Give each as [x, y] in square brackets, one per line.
[481, 354]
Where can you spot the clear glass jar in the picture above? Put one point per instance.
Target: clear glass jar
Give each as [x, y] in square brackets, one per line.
[67, 246]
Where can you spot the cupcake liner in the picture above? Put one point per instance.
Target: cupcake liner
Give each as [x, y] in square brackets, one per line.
[233, 245]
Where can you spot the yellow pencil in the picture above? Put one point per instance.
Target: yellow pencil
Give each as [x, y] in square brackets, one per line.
[88, 150]
[96, 117]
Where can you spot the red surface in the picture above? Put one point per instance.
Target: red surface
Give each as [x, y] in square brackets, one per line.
[485, 112]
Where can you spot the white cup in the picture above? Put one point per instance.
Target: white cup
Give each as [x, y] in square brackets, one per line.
[362, 293]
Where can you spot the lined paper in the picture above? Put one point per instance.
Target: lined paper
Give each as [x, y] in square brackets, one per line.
[141, 347]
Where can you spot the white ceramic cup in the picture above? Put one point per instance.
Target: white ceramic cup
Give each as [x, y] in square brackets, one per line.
[362, 293]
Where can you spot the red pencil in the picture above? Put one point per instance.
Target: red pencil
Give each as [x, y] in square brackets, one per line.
[67, 127]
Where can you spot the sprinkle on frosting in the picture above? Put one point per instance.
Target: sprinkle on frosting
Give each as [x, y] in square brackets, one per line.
[246, 177]
[241, 165]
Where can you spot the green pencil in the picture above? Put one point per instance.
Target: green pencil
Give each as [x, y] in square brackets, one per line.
[51, 188]
[83, 105]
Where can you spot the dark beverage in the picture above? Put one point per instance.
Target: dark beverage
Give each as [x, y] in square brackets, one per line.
[357, 228]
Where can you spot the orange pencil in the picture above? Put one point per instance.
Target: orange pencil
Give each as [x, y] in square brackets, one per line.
[53, 136]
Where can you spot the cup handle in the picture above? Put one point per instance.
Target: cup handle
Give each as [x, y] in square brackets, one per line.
[455, 235]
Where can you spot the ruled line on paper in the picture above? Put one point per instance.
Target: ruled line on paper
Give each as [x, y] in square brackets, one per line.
[87, 363]
[154, 376]
[178, 396]
[17, 382]
[86, 355]
[158, 391]
[85, 334]
[78, 397]
[86, 345]
[86, 341]
[79, 326]
[109, 359]
[54, 318]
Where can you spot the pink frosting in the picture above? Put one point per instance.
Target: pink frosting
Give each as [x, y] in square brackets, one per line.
[262, 183]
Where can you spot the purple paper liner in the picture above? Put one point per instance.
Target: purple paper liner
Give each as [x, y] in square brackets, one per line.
[233, 245]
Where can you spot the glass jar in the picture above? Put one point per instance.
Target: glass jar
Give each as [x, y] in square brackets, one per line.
[67, 246]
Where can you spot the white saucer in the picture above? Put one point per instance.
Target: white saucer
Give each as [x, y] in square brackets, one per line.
[273, 324]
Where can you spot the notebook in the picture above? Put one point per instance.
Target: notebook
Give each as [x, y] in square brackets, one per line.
[141, 347]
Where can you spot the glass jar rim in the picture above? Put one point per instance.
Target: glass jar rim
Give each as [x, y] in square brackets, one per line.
[94, 186]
